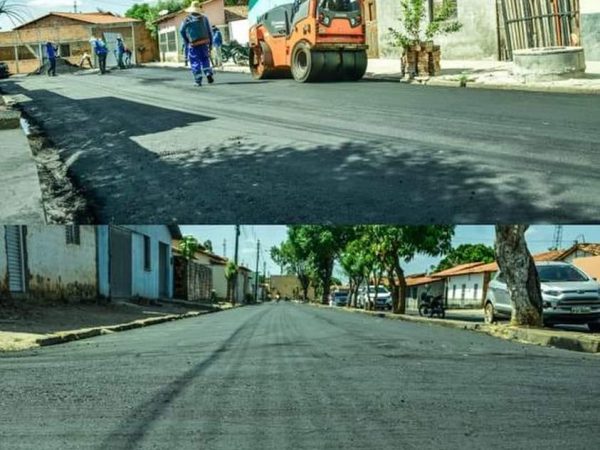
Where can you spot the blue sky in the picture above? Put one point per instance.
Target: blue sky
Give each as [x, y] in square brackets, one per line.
[37, 8]
[539, 239]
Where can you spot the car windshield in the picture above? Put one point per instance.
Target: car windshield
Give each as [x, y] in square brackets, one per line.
[380, 289]
[341, 294]
[559, 274]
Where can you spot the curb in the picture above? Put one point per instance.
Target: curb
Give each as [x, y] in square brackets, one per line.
[9, 118]
[69, 336]
[532, 336]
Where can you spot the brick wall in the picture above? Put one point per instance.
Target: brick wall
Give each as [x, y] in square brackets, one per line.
[193, 281]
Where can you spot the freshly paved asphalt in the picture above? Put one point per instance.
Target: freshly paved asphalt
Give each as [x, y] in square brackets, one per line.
[279, 376]
[149, 147]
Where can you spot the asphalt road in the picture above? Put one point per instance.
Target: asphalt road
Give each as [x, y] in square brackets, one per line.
[149, 147]
[281, 376]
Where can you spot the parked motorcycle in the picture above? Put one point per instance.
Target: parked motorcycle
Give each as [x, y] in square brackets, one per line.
[240, 54]
[430, 306]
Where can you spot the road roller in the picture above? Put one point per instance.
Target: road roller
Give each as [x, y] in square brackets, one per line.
[309, 40]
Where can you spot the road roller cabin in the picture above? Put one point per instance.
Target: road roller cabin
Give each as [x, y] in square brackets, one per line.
[311, 40]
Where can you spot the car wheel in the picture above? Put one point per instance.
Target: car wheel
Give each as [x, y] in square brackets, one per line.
[489, 313]
[594, 327]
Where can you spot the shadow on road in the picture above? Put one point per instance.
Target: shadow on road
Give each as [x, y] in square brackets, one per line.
[240, 180]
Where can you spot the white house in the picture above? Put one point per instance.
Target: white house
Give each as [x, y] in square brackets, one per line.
[48, 262]
[420, 284]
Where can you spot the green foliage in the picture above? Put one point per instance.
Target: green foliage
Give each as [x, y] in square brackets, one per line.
[467, 253]
[231, 270]
[149, 12]
[208, 245]
[412, 21]
[188, 246]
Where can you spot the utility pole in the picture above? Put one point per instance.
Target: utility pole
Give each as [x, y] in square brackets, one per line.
[264, 291]
[225, 248]
[75, 6]
[558, 233]
[235, 260]
[256, 273]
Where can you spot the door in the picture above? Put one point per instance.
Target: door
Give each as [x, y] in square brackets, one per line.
[15, 255]
[120, 263]
[371, 29]
[163, 270]
[111, 44]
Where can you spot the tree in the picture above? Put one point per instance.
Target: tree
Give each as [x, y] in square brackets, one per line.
[522, 281]
[188, 246]
[414, 14]
[356, 261]
[393, 244]
[231, 270]
[150, 13]
[208, 245]
[13, 10]
[319, 246]
[289, 256]
[467, 253]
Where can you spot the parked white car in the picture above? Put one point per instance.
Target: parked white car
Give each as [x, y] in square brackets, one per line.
[382, 299]
[569, 296]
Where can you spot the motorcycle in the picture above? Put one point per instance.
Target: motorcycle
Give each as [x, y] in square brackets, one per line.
[234, 50]
[430, 306]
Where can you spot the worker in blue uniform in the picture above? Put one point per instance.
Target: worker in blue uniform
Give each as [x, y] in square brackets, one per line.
[196, 33]
[51, 53]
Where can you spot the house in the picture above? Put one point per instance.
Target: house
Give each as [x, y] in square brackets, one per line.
[22, 48]
[217, 265]
[136, 260]
[48, 262]
[419, 284]
[483, 34]
[226, 18]
[590, 265]
[193, 281]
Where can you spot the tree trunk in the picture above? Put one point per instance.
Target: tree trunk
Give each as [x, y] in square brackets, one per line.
[520, 273]
[402, 283]
[394, 290]
[327, 284]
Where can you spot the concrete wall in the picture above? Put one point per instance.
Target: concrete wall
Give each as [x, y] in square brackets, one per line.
[219, 281]
[590, 35]
[57, 270]
[478, 38]
[473, 298]
[102, 242]
[145, 283]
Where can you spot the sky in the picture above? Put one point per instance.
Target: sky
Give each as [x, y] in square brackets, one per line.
[32, 9]
[539, 239]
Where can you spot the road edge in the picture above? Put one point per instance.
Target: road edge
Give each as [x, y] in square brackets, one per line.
[62, 337]
[531, 336]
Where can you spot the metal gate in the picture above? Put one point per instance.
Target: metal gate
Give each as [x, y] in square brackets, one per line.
[163, 270]
[120, 263]
[537, 23]
[111, 44]
[15, 258]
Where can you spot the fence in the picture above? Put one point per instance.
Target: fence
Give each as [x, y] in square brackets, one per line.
[537, 23]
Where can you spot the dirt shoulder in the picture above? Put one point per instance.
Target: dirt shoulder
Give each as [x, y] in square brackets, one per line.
[29, 318]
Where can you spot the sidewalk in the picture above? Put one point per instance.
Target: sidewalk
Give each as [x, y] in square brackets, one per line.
[456, 73]
[26, 325]
[19, 182]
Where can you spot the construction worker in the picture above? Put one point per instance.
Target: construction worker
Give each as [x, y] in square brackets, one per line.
[196, 33]
[101, 51]
[127, 57]
[217, 44]
[120, 52]
[51, 53]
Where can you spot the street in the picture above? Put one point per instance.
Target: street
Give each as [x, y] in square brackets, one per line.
[146, 146]
[278, 376]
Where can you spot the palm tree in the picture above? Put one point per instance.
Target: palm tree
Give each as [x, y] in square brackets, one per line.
[14, 10]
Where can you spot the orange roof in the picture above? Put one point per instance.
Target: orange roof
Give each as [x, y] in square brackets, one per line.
[593, 249]
[420, 280]
[96, 18]
[457, 270]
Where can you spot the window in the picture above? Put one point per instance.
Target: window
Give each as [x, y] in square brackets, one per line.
[72, 234]
[147, 254]
[64, 50]
[475, 289]
[463, 291]
[162, 42]
[453, 291]
[171, 42]
[447, 8]
[7, 53]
